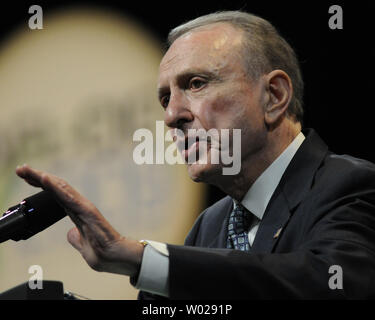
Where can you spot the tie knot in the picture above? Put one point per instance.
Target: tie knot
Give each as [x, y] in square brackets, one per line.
[241, 219]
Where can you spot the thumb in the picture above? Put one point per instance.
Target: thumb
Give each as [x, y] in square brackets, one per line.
[74, 238]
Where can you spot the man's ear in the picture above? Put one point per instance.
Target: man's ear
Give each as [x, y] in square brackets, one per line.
[280, 90]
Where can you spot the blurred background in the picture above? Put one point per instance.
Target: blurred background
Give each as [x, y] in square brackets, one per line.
[73, 93]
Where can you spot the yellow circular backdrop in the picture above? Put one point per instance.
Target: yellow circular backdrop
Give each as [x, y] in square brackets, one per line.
[72, 95]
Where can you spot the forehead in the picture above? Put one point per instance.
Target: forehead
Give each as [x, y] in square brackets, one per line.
[212, 48]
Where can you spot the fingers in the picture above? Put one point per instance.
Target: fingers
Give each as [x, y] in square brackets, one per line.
[80, 209]
[92, 226]
[29, 175]
[66, 195]
[49, 182]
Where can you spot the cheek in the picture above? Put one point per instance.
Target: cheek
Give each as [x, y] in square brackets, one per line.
[221, 112]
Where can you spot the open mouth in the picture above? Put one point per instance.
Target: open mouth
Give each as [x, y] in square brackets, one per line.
[190, 150]
[189, 141]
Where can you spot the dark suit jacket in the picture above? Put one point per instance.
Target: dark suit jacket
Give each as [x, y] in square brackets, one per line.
[325, 205]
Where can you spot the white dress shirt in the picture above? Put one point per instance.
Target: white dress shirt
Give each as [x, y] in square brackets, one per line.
[154, 273]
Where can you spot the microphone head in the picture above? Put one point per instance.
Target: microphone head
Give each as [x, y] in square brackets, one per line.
[42, 211]
[30, 216]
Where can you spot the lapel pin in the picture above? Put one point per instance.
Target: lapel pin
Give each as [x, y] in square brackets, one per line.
[276, 235]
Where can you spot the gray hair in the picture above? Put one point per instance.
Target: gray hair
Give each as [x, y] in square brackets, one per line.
[265, 50]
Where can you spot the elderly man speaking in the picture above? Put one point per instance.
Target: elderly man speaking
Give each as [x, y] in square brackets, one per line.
[295, 215]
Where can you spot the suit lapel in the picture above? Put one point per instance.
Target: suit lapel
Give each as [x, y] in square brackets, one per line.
[272, 224]
[293, 187]
[219, 239]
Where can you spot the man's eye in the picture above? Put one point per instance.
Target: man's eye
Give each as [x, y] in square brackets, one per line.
[196, 84]
[164, 101]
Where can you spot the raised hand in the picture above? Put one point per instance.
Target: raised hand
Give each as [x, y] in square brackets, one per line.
[103, 248]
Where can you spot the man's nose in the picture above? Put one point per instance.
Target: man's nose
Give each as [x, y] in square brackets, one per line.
[178, 111]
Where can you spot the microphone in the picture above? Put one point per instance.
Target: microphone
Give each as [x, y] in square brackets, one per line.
[31, 216]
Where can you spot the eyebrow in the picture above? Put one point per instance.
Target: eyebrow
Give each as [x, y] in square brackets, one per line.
[187, 74]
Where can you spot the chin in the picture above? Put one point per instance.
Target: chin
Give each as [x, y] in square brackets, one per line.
[203, 172]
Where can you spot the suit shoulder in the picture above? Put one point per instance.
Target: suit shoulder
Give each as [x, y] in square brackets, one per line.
[350, 162]
[344, 173]
[346, 166]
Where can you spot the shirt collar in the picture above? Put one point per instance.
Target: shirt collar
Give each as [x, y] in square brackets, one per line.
[257, 197]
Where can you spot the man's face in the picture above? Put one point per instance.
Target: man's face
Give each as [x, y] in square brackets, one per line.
[203, 85]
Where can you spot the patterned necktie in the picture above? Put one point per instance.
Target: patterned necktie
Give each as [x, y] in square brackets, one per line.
[238, 226]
